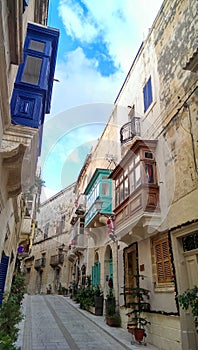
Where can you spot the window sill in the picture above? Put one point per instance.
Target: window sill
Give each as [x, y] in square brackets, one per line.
[167, 288]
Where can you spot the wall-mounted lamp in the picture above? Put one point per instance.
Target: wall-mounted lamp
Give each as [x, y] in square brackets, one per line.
[110, 220]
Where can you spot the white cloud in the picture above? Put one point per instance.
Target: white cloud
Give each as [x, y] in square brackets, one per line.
[122, 25]
[77, 25]
[81, 83]
[83, 96]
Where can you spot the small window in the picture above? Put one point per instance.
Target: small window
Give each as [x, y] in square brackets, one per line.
[163, 261]
[148, 97]
[149, 173]
[148, 155]
[46, 229]
[37, 46]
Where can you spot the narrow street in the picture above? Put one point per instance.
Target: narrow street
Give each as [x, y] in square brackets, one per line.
[53, 322]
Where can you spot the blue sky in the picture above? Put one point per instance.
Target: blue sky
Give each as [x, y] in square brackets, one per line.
[98, 42]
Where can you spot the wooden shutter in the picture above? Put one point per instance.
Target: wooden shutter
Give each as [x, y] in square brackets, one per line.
[164, 270]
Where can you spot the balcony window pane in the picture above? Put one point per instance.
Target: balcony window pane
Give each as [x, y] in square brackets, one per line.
[37, 46]
[137, 159]
[105, 189]
[149, 173]
[32, 70]
[126, 188]
[137, 176]
[117, 197]
[121, 193]
[131, 182]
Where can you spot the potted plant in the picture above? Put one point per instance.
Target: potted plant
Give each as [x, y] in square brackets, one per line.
[49, 289]
[112, 317]
[135, 300]
[189, 300]
[98, 301]
[60, 289]
[64, 291]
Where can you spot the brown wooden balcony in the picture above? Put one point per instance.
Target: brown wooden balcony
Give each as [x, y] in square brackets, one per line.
[144, 199]
[56, 260]
[136, 191]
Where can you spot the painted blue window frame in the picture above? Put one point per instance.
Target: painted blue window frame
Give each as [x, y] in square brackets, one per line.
[148, 95]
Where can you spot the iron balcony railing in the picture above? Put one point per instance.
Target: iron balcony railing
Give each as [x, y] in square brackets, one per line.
[129, 130]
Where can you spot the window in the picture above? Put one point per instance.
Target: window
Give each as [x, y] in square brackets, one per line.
[148, 97]
[105, 189]
[131, 268]
[96, 273]
[32, 70]
[46, 229]
[162, 260]
[129, 180]
[37, 45]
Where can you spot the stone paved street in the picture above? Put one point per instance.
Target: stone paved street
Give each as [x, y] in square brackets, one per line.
[53, 322]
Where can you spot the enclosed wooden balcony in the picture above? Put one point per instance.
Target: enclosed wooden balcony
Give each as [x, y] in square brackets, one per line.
[56, 260]
[99, 188]
[136, 191]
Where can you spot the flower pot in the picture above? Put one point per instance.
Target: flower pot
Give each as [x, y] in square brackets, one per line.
[113, 321]
[138, 334]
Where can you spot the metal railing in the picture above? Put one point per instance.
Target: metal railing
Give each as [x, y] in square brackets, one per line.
[129, 130]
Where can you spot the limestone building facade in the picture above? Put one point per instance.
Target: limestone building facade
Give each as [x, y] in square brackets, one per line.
[150, 147]
[48, 267]
[21, 98]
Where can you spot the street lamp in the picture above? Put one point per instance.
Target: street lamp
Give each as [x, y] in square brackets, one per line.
[110, 220]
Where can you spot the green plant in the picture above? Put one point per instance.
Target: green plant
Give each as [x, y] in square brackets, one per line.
[189, 300]
[85, 297]
[113, 318]
[10, 313]
[110, 304]
[136, 302]
[97, 291]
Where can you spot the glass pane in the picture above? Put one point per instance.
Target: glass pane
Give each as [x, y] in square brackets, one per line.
[105, 189]
[37, 46]
[131, 165]
[117, 197]
[32, 70]
[137, 159]
[121, 193]
[149, 173]
[126, 188]
[137, 176]
[131, 182]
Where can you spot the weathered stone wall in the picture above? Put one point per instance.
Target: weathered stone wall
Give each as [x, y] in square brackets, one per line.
[51, 212]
